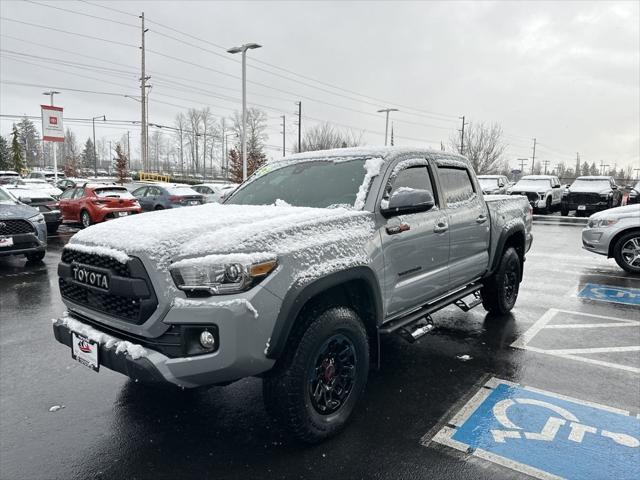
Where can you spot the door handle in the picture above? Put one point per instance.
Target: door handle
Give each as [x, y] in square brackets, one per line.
[440, 228]
[481, 219]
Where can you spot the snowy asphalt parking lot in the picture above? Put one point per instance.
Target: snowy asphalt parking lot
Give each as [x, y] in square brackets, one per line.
[572, 346]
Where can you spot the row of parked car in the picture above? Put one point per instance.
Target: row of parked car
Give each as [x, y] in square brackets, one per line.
[32, 208]
[586, 195]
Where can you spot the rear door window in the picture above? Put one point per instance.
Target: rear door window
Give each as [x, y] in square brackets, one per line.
[415, 178]
[456, 185]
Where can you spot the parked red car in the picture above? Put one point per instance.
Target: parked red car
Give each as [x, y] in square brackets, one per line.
[93, 203]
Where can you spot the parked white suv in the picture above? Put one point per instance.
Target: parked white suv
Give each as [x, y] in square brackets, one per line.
[543, 191]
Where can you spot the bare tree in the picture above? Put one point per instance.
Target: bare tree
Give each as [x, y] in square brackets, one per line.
[326, 136]
[483, 146]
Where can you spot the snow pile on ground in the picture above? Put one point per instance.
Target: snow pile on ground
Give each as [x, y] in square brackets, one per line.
[122, 346]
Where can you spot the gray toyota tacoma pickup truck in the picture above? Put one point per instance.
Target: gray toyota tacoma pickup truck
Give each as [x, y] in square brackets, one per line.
[294, 278]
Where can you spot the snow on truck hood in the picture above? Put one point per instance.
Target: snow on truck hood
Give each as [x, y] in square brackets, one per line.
[213, 229]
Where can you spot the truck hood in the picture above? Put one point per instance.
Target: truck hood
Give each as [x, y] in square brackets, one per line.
[212, 229]
[619, 212]
[16, 210]
[588, 189]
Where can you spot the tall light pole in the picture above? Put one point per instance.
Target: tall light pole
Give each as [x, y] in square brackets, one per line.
[243, 49]
[50, 94]
[386, 123]
[95, 156]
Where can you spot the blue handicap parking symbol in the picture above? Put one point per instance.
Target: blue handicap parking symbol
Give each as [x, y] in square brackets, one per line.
[607, 293]
[553, 435]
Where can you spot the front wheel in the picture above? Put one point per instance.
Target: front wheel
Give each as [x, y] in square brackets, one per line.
[500, 291]
[626, 252]
[34, 257]
[564, 210]
[318, 381]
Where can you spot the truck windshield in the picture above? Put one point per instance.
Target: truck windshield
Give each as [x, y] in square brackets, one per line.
[541, 184]
[319, 184]
[595, 184]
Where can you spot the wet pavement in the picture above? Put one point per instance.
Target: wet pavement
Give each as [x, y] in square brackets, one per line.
[111, 427]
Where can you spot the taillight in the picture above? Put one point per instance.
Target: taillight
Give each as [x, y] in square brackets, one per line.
[176, 198]
[53, 205]
[99, 202]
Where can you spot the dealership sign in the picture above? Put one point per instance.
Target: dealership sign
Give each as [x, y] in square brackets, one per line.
[52, 129]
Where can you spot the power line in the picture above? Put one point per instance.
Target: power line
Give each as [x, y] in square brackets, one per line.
[80, 13]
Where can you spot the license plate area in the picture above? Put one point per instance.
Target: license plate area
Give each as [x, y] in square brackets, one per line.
[123, 214]
[582, 207]
[85, 351]
[194, 202]
[6, 242]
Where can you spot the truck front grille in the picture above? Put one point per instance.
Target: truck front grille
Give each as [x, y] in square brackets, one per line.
[584, 198]
[124, 305]
[15, 227]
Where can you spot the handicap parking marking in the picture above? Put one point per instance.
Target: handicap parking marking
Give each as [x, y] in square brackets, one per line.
[544, 434]
[608, 293]
[601, 322]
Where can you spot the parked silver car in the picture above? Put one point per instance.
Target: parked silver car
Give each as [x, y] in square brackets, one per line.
[493, 184]
[615, 233]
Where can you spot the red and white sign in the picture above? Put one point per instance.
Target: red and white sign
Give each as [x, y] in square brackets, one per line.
[52, 129]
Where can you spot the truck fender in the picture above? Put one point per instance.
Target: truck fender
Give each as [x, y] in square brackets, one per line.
[504, 237]
[298, 296]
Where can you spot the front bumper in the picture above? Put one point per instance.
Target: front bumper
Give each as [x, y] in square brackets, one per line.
[596, 240]
[27, 242]
[241, 340]
[588, 207]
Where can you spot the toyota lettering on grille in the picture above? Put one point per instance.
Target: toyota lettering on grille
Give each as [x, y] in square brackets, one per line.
[90, 277]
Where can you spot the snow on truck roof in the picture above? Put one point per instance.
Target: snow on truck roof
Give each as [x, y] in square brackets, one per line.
[385, 153]
[537, 177]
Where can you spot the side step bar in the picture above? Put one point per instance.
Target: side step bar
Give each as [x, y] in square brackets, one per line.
[423, 313]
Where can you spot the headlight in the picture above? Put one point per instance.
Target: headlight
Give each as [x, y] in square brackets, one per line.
[601, 223]
[39, 218]
[221, 278]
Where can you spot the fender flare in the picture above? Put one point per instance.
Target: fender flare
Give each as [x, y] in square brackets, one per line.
[297, 297]
[504, 236]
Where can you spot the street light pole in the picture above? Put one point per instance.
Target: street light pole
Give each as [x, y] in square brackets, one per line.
[386, 123]
[95, 156]
[243, 49]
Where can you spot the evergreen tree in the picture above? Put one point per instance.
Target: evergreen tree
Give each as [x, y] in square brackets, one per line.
[593, 169]
[30, 141]
[585, 169]
[16, 163]
[5, 154]
[120, 165]
[88, 156]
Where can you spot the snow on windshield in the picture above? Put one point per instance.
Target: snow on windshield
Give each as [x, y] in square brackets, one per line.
[488, 182]
[594, 184]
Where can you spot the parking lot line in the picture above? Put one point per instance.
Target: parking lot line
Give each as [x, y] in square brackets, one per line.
[523, 342]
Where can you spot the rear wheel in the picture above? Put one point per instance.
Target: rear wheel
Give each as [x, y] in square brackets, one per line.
[500, 291]
[159, 207]
[321, 375]
[549, 205]
[564, 210]
[85, 219]
[52, 229]
[626, 252]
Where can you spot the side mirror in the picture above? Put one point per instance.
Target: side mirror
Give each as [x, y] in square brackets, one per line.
[25, 199]
[556, 186]
[501, 184]
[614, 187]
[406, 201]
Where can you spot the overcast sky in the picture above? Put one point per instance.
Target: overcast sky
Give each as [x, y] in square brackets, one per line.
[567, 73]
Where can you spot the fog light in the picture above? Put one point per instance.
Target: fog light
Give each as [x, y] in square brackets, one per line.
[207, 340]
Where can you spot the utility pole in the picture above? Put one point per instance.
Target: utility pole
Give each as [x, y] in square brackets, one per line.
[95, 155]
[299, 126]
[284, 134]
[462, 135]
[637, 170]
[546, 162]
[143, 98]
[129, 149]
[223, 157]
[533, 159]
[522, 162]
[577, 164]
[392, 134]
[109, 159]
[386, 123]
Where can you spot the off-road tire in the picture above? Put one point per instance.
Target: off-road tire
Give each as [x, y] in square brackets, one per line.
[159, 207]
[286, 389]
[564, 210]
[549, 206]
[85, 219]
[52, 230]
[34, 257]
[618, 254]
[500, 291]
